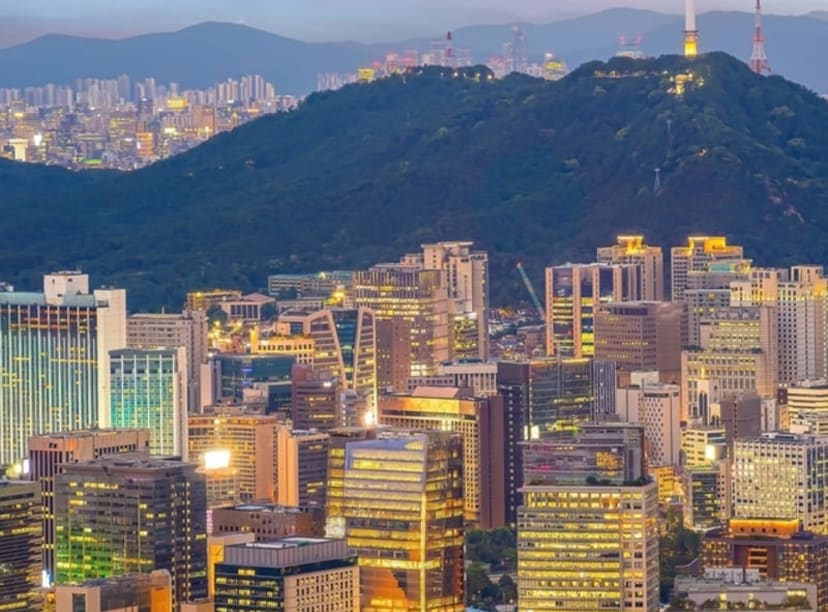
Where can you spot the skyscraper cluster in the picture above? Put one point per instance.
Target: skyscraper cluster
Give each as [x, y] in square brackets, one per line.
[330, 446]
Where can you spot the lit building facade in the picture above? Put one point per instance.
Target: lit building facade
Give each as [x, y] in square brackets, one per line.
[650, 259]
[344, 347]
[123, 514]
[573, 294]
[403, 511]
[269, 521]
[149, 390]
[240, 442]
[169, 331]
[21, 534]
[778, 548]
[291, 574]
[47, 453]
[808, 406]
[54, 350]
[738, 354]
[587, 530]
[657, 406]
[641, 336]
[482, 423]
[411, 306]
[782, 476]
[694, 257]
[302, 467]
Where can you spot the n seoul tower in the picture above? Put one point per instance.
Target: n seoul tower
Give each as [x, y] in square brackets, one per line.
[691, 34]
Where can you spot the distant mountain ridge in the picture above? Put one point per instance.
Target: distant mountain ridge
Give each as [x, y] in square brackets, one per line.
[530, 169]
[207, 53]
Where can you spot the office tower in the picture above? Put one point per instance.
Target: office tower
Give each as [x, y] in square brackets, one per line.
[216, 545]
[573, 294]
[483, 424]
[737, 354]
[707, 497]
[633, 250]
[480, 376]
[344, 347]
[642, 336]
[151, 592]
[260, 378]
[710, 290]
[779, 548]
[121, 514]
[269, 521]
[588, 511]
[302, 467]
[149, 390]
[243, 443]
[54, 349]
[781, 476]
[466, 273]
[291, 574]
[250, 308]
[799, 296]
[21, 534]
[411, 307]
[403, 509]
[47, 453]
[808, 406]
[656, 406]
[319, 283]
[703, 445]
[700, 251]
[315, 400]
[334, 497]
[559, 394]
[188, 329]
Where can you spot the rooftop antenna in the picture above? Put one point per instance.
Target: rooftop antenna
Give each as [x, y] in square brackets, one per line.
[657, 184]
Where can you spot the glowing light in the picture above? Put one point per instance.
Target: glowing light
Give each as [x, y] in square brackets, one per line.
[216, 459]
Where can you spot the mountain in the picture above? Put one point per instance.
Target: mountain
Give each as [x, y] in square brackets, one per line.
[204, 54]
[197, 56]
[530, 169]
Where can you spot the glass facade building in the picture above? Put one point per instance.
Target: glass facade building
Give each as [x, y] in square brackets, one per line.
[403, 510]
[128, 513]
[148, 390]
[20, 547]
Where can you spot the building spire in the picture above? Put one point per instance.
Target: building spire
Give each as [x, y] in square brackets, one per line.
[691, 33]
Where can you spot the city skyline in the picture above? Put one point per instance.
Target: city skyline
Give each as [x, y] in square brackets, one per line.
[329, 20]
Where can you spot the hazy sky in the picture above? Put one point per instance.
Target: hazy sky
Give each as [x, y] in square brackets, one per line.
[365, 20]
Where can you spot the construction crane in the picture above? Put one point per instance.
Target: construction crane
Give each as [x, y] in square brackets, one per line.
[531, 289]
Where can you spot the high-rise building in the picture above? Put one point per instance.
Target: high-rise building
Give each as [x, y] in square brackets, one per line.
[707, 496]
[574, 293]
[657, 406]
[779, 548]
[291, 574]
[302, 467]
[150, 592]
[21, 534]
[315, 400]
[47, 453]
[411, 306]
[261, 378]
[641, 336]
[587, 531]
[559, 394]
[484, 427]
[344, 347]
[149, 390]
[243, 443]
[188, 329]
[335, 494]
[54, 349]
[782, 476]
[694, 257]
[703, 445]
[738, 354]
[708, 291]
[121, 514]
[466, 273]
[808, 406]
[403, 510]
[633, 250]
